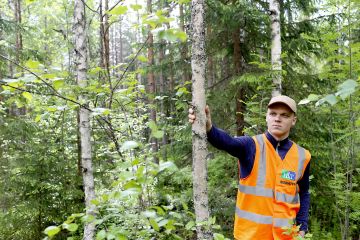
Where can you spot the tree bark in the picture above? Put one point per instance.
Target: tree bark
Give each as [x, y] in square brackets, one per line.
[121, 54]
[276, 64]
[16, 111]
[241, 92]
[184, 51]
[84, 115]
[162, 90]
[210, 70]
[199, 151]
[152, 83]
[104, 36]
[19, 42]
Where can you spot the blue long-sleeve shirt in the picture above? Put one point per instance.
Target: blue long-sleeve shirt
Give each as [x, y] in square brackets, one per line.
[244, 149]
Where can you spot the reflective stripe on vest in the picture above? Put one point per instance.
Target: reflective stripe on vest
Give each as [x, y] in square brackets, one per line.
[260, 182]
[268, 192]
[262, 219]
[302, 159]
[254, 217]
[283, 197]
[283, 222]
[257, 191]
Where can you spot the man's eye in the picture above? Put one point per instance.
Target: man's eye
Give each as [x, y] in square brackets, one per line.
[285, 115]
[272, 114]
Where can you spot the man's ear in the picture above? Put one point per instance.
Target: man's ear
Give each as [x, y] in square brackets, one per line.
[294, 121]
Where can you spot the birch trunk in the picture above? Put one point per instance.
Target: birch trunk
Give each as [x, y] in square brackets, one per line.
[84, 115]
[199, 151]
[274, 6]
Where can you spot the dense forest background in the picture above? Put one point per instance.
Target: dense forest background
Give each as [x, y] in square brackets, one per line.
[94, 101]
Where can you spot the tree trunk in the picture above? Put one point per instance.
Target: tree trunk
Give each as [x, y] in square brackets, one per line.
[121, 54]
[152, 83]
[18, 43]
[84, 115]
[16, 111]
[162, 90]
[210, 70]
[275, 46]
[104, 36]
[184, 51]
[199, 151]
[241, 92]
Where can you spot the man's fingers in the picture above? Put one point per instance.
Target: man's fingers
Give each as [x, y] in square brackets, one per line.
[207, 110]
[191, 116]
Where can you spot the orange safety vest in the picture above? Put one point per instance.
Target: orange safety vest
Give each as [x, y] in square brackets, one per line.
[268, 198]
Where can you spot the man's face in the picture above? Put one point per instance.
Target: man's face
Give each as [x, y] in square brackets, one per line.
[280, 119]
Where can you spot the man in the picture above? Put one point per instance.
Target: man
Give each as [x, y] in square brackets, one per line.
[273, 193]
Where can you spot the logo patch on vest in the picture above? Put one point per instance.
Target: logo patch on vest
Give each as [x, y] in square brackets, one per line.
[285, 174]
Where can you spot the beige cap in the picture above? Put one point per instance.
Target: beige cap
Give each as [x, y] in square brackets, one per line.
[285, 100]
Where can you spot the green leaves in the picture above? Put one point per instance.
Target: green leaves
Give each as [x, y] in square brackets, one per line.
[101, 235]
[128, 145]
[346, 88]
[154, 130]
[28, 96]
[32, 64]
[172, 35]
[58, 83]
[190, 225]
[154, 224]
[52, 231]
[135, 7]
[330, 98]
[72, 227]
[119, 10]
[100, 111]
[142, 58]
[310, 98]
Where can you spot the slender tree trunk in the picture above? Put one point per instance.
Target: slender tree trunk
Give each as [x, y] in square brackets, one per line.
[19, 42]
[276, 46]
[237, 57]
[162, 92]
[121, 54]
[241, 92]
[198, 63]
[184, 51]
[152, 83]
[225, 71]
[138, 38]
[84, 115]
[102, 33]
[19, 47]
[210, 70]
[104, 36]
